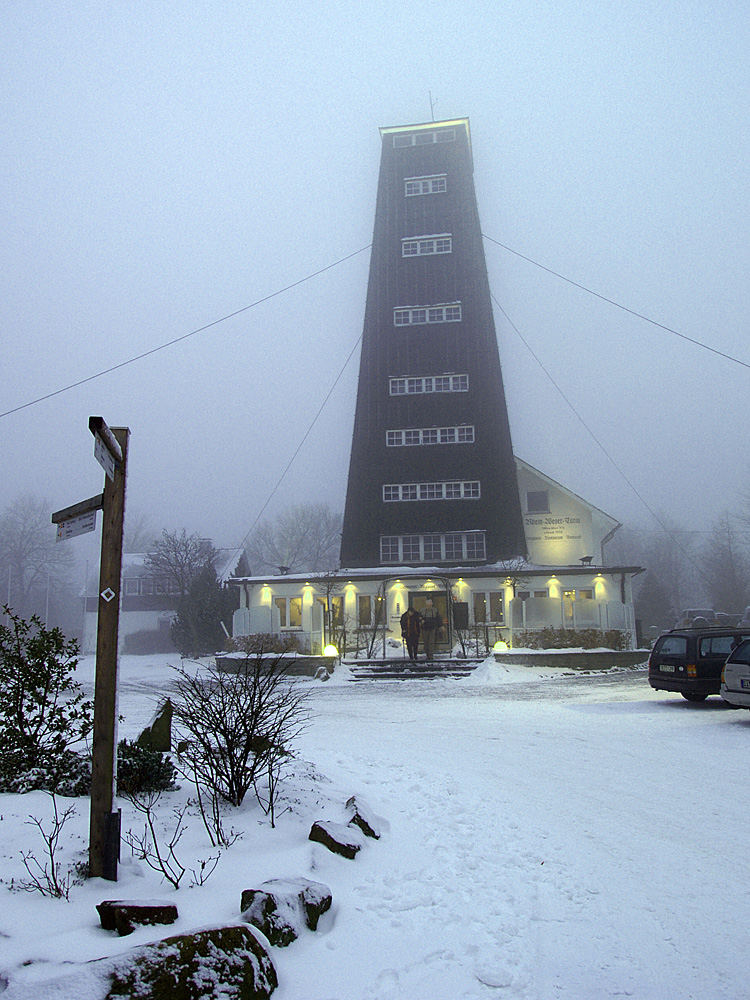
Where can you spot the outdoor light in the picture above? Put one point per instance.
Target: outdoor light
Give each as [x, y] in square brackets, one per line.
[500, 646]
[330, 650]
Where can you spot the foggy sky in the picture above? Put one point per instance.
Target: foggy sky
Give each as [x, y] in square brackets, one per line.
[165, 165]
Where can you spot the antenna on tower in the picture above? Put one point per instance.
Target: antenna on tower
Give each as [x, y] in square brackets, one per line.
[432, 105]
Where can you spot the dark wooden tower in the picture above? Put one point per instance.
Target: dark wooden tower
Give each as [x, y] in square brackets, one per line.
[432, 480]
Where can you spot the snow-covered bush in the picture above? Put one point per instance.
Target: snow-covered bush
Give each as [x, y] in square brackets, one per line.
[43, 712]
[569, 638]
[142, 770]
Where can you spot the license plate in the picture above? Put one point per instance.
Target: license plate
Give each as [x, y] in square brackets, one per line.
[667, 668]
[744, 682]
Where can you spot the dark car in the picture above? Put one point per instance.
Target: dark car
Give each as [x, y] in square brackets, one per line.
[690, 660]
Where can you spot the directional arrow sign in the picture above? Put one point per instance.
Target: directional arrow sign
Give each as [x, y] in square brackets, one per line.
[78, 519]
[76, 526]
[107, 451]
[104, 457]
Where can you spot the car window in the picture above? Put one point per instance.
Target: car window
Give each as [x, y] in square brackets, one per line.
[742, 653]
[672, 645]
[716, 645]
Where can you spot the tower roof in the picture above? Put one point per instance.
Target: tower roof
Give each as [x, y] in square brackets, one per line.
[426, 126]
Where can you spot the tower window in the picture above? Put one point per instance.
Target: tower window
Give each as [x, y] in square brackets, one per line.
[425, 246]
[430, 435]
[435, 184]
[452, 490]
[423, 138]
[418, 315]
[427, 384]
[466, 546]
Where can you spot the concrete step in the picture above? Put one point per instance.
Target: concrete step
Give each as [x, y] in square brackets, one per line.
[406, 670]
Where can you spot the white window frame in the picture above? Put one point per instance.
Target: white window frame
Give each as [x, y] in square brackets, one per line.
[442, 312]
[427, 184]
[454, 489]
[427, 246]
[486, 596]
[284, 607]
[460, 543]
[408, 385]
[402, 140]
[410, 436]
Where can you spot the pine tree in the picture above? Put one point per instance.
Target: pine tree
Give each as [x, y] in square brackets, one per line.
[197, 628]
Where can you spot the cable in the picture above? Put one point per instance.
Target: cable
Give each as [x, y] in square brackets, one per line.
[297, 450]
[632, 486]
[185, 336]
[618, 305]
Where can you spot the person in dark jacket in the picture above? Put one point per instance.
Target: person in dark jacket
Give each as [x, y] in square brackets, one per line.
[431, 622]
[410, 629]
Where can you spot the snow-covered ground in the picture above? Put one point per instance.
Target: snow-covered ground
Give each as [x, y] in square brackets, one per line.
[545, 839]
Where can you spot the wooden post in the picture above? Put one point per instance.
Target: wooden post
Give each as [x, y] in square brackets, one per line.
[104, 828]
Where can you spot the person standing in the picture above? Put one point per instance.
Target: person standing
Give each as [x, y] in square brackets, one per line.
[431, 622]
[410, 629]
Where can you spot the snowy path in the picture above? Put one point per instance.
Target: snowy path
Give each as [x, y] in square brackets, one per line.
[547, 839]
[537, 850]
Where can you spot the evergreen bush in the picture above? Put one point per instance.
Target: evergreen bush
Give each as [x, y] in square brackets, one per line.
[140, 770]
[69, 774]
[43, 712]
[566, 638]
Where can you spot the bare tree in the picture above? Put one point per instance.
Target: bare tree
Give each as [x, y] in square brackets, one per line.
[517, 571]
[32, 564]
[304, 538]
[181, 557]
[673, 553]
[725, 567]
[140, 535]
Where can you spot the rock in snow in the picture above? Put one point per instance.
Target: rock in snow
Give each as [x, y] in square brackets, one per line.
[337, 837]
[362, 816]
[223, 963]
[122, 915]
[282, 908]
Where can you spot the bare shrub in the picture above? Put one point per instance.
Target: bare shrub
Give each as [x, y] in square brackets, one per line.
[48, 878]
[234, 729]
[146, 845]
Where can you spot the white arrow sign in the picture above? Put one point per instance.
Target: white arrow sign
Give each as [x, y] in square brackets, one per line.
[76, 526]
[104, 457]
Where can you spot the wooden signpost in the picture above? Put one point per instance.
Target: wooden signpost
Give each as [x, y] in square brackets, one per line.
[111, 451]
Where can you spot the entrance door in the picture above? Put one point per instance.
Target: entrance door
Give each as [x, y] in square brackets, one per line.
[418, 600]
[569, 597]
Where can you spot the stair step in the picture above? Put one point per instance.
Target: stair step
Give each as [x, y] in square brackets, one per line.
[362, 670]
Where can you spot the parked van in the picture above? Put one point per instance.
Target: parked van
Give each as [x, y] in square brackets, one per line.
[689, 660]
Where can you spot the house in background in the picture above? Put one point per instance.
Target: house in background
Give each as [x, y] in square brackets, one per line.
[148, 603]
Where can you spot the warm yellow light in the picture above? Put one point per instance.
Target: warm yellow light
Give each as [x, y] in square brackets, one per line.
[500, 646]
[330, 650]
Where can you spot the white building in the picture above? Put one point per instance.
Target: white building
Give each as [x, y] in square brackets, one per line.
[148, 603]
[564, 583]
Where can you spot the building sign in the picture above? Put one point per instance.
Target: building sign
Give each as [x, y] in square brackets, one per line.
[548, 528]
